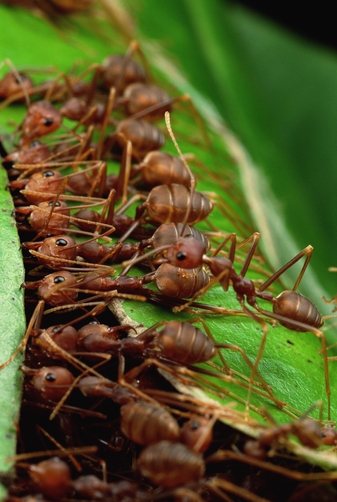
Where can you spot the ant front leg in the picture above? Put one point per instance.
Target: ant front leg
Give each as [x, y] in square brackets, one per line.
[296, 312]
[188, 252]
[229, 370]
[34, 324]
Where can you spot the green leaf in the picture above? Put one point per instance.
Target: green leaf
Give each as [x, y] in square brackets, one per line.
[290, 362]
[277, 92]
[12, 325]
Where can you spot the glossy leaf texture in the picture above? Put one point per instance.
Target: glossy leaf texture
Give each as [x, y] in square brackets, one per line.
[12, 325]
[277, 92]
[290, 363]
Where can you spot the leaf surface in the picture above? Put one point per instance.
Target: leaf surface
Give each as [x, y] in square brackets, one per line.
[290, 362]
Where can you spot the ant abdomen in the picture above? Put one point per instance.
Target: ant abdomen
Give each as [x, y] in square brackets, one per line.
[180, 283]
[120, 71]
[168, 464]
[293, 305]
[147, 423]
[185, 343]
[160, 168]
[144, 136]
[51, 478]
[169, 233]
[139, 96]
[13, 83]
[170, 203]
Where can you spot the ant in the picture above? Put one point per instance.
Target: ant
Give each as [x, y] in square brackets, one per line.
[308, 432]
[291, 309]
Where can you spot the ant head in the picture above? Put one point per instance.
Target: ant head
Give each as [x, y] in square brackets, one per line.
[186, 253]
[51, 382]
[42, 118]
[51, 477]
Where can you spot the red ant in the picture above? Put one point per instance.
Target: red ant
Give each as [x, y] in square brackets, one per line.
[158, 168]
[291, 309]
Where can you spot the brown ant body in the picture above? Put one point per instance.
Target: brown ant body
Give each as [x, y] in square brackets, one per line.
[55, 252]
[169, 464]
[158, 168]
[34, 152]
[62, 287]
[147, 415]
[13, 83]
[144, 137]
[147, 423]
[171, 203]
[41, 119]
[307, 431]
[291, 309]
[44, 182]
[52, 382]
[119, 71]
[139, 97]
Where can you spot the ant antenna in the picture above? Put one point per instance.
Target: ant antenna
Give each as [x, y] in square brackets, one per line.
[192, 188]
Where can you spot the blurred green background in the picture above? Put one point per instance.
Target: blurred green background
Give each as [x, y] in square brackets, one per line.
[277, 92]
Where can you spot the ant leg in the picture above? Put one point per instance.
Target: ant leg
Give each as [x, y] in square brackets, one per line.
[34, 323]
[243, 355]
[213, 485]
[18, 95]
[260, 351]
[193, 182]
[107, 113]
[75, 382]
[73, 460]
[255, 238]
[305, 252]
[300, 326]
[226, 455]
[223, 277]
[124, 173]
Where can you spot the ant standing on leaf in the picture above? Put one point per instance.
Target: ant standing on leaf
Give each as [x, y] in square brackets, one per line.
[145, 416]
[291, 309]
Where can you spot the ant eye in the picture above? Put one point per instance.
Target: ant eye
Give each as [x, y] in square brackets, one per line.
[34, 143]
[57, 204]
[48, 121]
[47, 174]
[194, 426]
[59, 279]
[181, 256]
[19, 79]
[61, 242]
[50, 377]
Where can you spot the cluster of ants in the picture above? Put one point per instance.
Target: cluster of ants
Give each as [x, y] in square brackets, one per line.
[108, 388]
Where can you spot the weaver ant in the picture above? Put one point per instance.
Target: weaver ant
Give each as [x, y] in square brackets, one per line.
[307, 431]
[291, 309]
[149, 345]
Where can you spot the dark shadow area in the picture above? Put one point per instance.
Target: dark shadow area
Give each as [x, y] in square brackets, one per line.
[315, 21]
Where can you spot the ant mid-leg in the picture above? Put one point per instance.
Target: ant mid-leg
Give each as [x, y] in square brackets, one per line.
[295, 311]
